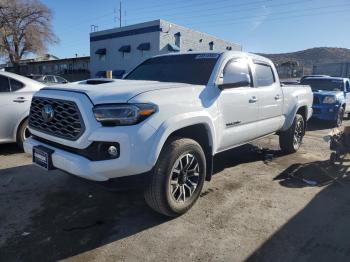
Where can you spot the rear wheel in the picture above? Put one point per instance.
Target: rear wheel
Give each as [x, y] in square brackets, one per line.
[22, 133]
[178, 177]
[291, 139]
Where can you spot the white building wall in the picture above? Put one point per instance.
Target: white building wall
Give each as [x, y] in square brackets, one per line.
[191, 39]
[158, 33]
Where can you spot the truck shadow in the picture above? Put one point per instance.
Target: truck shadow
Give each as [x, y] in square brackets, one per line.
[59, 216]
[315, 125]
[67, 216]
[320, 231]
[244, 154]
[9, 149]
[56, 216]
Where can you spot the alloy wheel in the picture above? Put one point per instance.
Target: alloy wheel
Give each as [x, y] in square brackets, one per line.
[298, 134]
[184, 177]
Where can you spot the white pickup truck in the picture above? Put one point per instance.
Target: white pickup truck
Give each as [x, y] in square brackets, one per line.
[167, 118]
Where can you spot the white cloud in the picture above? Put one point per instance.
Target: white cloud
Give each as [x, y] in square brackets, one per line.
[262, 16]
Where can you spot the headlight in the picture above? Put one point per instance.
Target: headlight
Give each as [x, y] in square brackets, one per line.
[123, 114]
[329, 100]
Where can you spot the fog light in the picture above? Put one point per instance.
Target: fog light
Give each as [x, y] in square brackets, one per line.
[113, 151]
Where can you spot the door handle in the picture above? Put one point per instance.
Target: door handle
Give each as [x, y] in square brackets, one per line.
[277, 97]
[20, 100]
[253, 100]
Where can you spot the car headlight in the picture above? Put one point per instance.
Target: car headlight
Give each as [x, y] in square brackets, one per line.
[123, 114]
[329, 100]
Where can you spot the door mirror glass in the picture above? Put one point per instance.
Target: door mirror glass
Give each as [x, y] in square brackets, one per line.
[236, 74]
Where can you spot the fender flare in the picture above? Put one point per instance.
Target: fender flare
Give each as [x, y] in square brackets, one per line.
[23, 117]
[290, 118]
[176, 123]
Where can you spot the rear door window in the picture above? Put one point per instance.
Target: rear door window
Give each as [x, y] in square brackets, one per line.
[4, 84]
[264, 75]
[15, 85]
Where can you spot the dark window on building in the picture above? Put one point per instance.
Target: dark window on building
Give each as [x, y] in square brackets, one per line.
[4, 84]
[15, 85]
[264, 75]
[178, 39]
[211, 45]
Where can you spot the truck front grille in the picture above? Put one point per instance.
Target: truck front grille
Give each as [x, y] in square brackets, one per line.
[56, 117]
[316, 100]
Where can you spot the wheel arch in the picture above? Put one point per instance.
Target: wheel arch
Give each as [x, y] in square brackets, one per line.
[20, 121]
[200, 131]
[301, 109]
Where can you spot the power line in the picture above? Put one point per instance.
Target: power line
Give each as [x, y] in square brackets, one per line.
[230, 11]
[202, 3]
[249, 17]
[279, 18]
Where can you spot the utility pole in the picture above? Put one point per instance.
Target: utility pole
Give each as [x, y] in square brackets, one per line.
[120, 14]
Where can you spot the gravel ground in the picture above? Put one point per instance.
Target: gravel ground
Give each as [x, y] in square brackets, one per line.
[259, 206]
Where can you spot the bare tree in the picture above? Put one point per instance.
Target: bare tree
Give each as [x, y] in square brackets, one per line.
[25, 27]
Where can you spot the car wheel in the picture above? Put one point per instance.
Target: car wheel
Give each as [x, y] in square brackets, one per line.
[22, 133]
[291, 139]
[340, 117]
[178, 177]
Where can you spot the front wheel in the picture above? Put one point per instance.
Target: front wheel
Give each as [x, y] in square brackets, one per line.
[291, 139]
[178, 177]
[22, 133]
[340, 117]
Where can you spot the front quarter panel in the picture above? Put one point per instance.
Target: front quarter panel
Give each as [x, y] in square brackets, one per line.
[177, 109]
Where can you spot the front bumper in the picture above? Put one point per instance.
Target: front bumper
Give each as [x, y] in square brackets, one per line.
[325, 112]
[133, 158]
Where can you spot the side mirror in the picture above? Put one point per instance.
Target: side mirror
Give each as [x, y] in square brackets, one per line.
[234, 79]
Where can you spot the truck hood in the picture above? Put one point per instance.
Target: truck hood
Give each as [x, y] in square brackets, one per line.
[117, 91]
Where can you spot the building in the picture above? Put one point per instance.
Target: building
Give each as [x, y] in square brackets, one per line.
[73, 69]
[333, 69]
[121, 49]
[290, 69]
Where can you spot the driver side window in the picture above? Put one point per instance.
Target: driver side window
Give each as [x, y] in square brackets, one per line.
[236, 74]
[347, 86]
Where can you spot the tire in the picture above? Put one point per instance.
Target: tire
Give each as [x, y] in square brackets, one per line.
[22, 133]
[333, 158]
[291, 139]
[164, 190]
[340, 117]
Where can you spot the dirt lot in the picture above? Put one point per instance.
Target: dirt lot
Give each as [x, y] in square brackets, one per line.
[288, 208]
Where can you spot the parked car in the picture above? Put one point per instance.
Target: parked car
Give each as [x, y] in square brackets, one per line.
[331, 98]
[15, 96]
[167, 118]
[49, 79]
[311, 76]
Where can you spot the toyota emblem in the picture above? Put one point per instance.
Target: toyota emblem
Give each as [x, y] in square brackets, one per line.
[47, 113]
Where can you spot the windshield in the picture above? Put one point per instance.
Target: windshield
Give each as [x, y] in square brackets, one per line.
[324, 84]
[191, 69]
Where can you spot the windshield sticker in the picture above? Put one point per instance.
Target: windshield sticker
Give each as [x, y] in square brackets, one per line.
[337, 81]
[207, 56]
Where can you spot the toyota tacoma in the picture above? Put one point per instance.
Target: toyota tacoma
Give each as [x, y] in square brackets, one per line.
[167, 119]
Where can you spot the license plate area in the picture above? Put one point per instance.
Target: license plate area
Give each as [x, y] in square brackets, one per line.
[42, 156]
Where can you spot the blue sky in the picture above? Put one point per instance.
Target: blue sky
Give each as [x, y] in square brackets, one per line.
[267, 26]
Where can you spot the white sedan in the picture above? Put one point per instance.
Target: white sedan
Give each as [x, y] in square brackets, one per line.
[15, 98]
